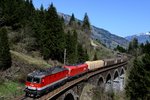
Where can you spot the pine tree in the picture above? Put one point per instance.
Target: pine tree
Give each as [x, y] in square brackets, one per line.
[135, 43]
[72, 20]
[138, 87]
[141, 48]
[63, 21]
[38, 26]
[53, 37]
[147, 47]
[16, 12]
[133, 47]
[5, 57]
[71, 46]
[82, 54]
[120, 49]
[9, 8]
[95, 56]
[86, 23]
[75, 40]
[86, 56]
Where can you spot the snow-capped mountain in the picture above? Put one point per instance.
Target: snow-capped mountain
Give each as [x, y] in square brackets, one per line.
[142, 37]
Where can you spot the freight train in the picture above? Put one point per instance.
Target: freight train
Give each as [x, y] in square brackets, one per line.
[42, 81]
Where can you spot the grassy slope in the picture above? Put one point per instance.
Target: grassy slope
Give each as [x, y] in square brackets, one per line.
[29, 59]
[101, 51]
[13, 83]
[10, 89]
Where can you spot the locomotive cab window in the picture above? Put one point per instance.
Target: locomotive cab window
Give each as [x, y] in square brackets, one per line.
[29, 79]
[36, 80]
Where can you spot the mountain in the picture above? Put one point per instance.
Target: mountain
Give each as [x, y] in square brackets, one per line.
[142, 37]
[110, 40]
[101, 35]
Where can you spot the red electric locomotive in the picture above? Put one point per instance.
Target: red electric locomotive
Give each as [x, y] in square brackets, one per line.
[41, 81]
[76, 70]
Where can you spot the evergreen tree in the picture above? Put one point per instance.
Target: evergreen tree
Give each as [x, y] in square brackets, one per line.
[86, 56]
[53, 38]
[86, 23]
[120, 49]
[9, 8]
[71, 46]
[82, 54]
[72, 20]
[38, 26]
[135, 43]
[130, 47]
[16, 12]
[63, 21]
[142, 48]
[146, 47]
[5, 57]
[95, 57]
[75, 40]
[138, 87]
[133, 47]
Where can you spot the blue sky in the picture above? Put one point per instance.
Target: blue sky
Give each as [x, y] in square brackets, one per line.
[120, 17]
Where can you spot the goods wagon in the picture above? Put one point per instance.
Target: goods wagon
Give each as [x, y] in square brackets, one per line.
[92, 65]
[75, 70]
[119, 60]
[108, 62]
[124, 59]
[41, 81]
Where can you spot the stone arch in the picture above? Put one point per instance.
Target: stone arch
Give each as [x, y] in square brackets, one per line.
[116, 81]
[116, 74]
[108, 78]
[70, 95]
[108, 83]
[122, 81]
[122, 71]
[100, 82]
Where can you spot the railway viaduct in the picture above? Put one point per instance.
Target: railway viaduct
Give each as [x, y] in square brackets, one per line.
[106, 78]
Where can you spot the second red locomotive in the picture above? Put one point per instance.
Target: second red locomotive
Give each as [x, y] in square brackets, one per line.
[76, 70]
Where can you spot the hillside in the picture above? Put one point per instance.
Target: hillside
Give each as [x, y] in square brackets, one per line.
[102, 35]
[110, 40]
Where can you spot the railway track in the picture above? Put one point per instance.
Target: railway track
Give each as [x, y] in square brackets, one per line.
[53, 93]
[23, 97]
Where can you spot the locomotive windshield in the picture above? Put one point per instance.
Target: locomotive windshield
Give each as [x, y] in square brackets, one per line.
[36, 80]
[29, 79]
[33, 79]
